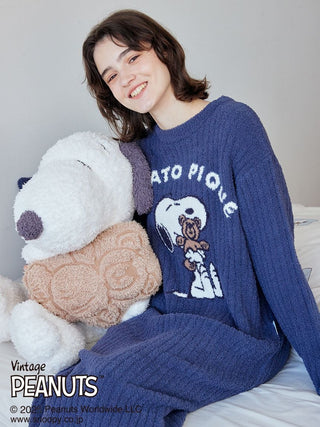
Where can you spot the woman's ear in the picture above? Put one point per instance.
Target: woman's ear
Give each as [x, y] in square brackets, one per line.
[141, 175]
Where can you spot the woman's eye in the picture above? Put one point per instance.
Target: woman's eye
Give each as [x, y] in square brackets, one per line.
[109, 79]
[133, 58]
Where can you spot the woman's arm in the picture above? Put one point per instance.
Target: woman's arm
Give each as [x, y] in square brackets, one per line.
[265, 212]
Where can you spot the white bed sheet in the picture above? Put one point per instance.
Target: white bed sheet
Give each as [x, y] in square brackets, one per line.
[289, 399]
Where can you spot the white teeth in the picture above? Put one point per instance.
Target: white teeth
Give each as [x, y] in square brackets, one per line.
[138, 90]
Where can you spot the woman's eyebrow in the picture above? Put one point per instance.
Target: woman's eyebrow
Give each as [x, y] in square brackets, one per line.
[120, 56]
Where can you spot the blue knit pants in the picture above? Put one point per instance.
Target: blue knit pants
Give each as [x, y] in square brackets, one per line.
[155, 368]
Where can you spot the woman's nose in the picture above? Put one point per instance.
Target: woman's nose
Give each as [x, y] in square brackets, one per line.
[126, 78]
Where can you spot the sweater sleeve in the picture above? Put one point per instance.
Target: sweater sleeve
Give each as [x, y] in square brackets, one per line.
[265, 212]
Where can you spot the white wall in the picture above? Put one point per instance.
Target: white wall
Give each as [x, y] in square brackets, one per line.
[265, 53]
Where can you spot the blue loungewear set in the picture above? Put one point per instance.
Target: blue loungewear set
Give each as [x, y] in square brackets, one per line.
[234, 296]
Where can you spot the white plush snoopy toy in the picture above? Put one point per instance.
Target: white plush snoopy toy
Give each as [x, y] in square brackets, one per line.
[85, 184]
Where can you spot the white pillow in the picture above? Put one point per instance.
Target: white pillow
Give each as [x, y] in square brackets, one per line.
[307, 243]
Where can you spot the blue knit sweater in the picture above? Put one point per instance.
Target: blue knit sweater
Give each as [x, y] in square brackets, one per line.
[233, 293]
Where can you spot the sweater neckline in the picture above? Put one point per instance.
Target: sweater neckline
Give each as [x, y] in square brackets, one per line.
[191, 125]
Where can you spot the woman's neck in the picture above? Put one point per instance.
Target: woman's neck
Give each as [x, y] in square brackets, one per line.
[177, 112]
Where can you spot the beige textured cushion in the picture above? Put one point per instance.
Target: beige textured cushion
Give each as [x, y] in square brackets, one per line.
[99, 282]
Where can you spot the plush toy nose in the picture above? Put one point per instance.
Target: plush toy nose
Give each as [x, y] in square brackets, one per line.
[29, 225]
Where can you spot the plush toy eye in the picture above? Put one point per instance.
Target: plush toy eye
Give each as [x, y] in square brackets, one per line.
[80, 161]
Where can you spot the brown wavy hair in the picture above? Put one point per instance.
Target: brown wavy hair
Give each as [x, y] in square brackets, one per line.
[136, 30]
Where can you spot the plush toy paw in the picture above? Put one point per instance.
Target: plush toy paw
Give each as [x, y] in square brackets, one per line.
[40, 336]
[11, 294]
[136, 309]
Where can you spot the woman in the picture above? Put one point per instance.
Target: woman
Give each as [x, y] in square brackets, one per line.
[233, 295]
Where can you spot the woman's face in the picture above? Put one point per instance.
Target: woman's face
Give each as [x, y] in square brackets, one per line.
[137, 79]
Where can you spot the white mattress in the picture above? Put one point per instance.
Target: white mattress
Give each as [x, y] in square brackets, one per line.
[289, 399]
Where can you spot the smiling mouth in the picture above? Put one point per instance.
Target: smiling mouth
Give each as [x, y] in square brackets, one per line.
[138, 90]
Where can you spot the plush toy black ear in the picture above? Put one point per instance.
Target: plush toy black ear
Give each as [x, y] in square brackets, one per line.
[142, 188]
[21, 181]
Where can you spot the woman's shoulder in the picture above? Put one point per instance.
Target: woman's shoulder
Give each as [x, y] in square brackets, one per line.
[249, 139]
[236, 111]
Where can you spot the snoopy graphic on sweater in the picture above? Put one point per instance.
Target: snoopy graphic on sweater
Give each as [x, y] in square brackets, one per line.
[179, 223]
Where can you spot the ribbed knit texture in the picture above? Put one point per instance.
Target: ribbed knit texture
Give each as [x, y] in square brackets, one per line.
[218, 326]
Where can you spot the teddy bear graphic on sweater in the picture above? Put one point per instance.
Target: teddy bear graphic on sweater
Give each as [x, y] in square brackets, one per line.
[179, 223]
[190, 228]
